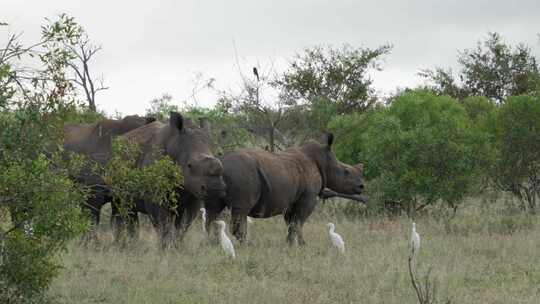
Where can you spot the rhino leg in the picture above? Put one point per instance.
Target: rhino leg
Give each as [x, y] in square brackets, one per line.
[120, 223]
[213, 210]
[296, 216]
[163, 220]
[188, 211]
[292, 235]
[166, 230]
[91, 235]
[239, 224]
[93, 205]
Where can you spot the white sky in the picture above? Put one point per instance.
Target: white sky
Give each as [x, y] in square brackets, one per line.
[155, 47]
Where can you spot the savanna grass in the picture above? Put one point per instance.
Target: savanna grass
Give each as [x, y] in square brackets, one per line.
[475, 258]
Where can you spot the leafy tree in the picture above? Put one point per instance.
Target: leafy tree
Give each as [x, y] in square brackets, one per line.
[418, 151]
[338, 75]
[39, 203]
[223, 124]
[517, 169]
[349, 130]
[222, 121]
[493, 69]
[160, 107]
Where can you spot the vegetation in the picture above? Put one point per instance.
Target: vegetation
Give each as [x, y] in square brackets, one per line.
[471, 140]
[493, 69]
[38, 201]
[517, 167]
[419, 150]
[482, 250]
[128, 181]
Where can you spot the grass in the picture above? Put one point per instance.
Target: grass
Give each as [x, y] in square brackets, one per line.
[479, 257]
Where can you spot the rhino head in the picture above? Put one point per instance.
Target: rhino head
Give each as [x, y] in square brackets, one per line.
[336, 175]
[191, 148]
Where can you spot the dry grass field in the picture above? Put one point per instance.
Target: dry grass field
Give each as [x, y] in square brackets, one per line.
[483, 255]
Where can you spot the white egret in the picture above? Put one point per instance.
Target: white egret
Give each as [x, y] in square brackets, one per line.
[336, 239]
[225, 241]
[203, 217]
[415, 240]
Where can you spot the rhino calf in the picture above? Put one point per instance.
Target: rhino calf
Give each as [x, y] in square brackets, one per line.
[262, 184]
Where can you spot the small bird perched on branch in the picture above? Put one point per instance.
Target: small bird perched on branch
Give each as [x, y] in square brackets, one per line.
[256, 73]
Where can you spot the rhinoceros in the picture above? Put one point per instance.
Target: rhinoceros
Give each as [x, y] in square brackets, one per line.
[190, 147]
[94, 142]
[261, 184]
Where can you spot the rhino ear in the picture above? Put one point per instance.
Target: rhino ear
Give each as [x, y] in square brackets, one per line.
[360, 166]
[176, 120]
[204, 123]
[329, 140]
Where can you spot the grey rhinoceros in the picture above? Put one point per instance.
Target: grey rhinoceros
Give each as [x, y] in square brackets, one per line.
[94, 142]
[190, 147]
[262, 184]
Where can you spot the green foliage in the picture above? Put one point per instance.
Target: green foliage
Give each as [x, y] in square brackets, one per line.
[224, 126]
[479, 108]
[160, 107]
[38, 201]
[493, 69]
[223, 122]
[420, 150]
[158, 182]
[517, 169]
[304, 122]
[82, 114]
[339, 75]
[44, 215]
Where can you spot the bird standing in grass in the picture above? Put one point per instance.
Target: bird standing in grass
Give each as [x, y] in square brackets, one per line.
[203, 217]
[225, 241]
[336, 239]
[415, 240]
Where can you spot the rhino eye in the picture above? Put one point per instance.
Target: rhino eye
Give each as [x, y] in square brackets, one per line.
[346, 172]
[189, 165]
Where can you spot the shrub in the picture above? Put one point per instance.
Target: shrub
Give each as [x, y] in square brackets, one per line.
[420, 150]
[517, 167]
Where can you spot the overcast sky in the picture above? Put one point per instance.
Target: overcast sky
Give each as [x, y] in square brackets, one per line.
[155, 47]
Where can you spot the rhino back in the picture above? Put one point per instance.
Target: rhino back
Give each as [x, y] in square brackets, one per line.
[267, 183]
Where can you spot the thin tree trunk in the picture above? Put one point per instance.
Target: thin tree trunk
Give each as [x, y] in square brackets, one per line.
[92, 105]
[272, 139]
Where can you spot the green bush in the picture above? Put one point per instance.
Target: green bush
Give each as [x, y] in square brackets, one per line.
[420, 150]
[40, 205]
[158, 182]
[517, 167]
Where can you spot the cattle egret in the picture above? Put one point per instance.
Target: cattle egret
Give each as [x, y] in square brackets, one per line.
[225, 241]
[336, 239]
[203, 217]
[415, 240]
[249, 220]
